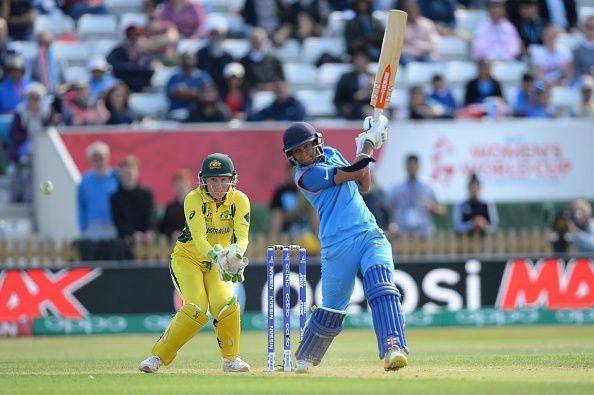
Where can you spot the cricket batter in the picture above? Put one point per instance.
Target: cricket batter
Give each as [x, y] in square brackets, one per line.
[351, 241]
[206, 260]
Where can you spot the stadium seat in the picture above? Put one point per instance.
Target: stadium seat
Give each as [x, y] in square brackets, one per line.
[289, 52]
[236, 25]
[27, 48]
[57, 24]
[381, 15]
[190, 45]
[98, 27]
[132, 18]
[72, 54]
[570, 40]
[510, 93]
[509, 73]
[452, 48]
[102, 47]
[237, 47]
[317, 102]
[421, 73]
[336, 24]
[399, 99]
[121, 7]
[153, 105]
[468, 20]
[565, 97]
[329, 73]
[76, 73]
[261, 99]
[584, 12]
[314, 47]
[217, 6]
[458, 73]
[161, 77]
[300, 75]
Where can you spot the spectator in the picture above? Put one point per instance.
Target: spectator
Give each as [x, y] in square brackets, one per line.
[213, 57]
[525, 97]
[284, 108]
[185, 86]
[441, 12]
[77, 8]
[561, 13]
[262, 69]
[551, 62]
[130, 64]
[581, 226]
[495, 37]
[94, 195]
[45, 68]
[132, 205]
[173, 220]
[528, 23]
[420, 107]
[161, 37]
[289, 211]
[13, 86]
[413, 203]
[474, 215]
[78, 108]
[353, 90]
[188, 16]
[483, 86]
[116, 102]
[586, 97]
[20, 15]
[235, 95]
[101, 79]
[420, 36]
[5, 49]
[542, 107]
[30, 118]
[364, 31]
[443, 95]
[209, 107]
[583, 55]
[299, 19]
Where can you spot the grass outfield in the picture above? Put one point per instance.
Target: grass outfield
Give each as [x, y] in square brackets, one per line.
[511, 360]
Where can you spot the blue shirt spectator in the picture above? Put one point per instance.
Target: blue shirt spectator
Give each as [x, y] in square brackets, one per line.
[443, 95]
[13, 85]
[94, 194]
[185, 86]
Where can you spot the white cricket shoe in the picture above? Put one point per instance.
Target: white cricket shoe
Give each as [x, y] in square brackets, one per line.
[236, 365]
[395, 359]
[303, 366]
[151, 364]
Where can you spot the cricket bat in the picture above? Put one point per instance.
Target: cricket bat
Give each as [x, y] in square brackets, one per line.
[388, 61]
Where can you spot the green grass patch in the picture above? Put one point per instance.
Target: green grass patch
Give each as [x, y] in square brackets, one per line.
[511, 360]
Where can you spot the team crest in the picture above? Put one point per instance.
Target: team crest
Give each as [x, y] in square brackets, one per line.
[225, 215]
[215, 164]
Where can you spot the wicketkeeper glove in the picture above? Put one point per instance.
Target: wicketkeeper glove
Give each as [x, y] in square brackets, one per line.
[218, 256]
[236, 262]
[375, 132]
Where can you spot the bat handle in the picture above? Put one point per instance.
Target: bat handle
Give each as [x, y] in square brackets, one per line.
[376, 114]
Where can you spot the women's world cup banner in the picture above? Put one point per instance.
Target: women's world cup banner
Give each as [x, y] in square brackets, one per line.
[428, 289]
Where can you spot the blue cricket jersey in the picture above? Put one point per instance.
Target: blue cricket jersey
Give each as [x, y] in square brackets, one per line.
[341, 209]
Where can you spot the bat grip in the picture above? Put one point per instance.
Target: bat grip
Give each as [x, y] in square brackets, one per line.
[376, 114]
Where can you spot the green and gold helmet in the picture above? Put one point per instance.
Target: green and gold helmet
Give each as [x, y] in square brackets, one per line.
[218, 165]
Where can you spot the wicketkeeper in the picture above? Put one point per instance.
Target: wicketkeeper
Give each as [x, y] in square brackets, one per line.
[351, 241]
[206, 261]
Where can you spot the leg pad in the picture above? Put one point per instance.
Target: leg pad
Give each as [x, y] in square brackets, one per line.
[384, 299]
[227, 329]
[323, 326]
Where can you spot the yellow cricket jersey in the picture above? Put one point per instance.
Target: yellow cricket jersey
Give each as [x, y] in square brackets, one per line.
[207, 225]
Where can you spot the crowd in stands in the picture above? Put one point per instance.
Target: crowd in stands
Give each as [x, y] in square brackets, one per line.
[99, 62]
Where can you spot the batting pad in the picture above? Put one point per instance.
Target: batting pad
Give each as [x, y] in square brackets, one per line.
[227, 329]
[323, 326]
[183, 326]
[384, 299]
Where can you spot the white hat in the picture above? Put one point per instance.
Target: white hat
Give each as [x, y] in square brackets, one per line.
[233, 70]
[217, 22]
[98, 63]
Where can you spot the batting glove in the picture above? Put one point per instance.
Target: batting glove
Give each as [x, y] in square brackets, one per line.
[375, 132]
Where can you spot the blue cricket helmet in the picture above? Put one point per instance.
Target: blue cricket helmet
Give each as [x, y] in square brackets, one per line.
[300, 133]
